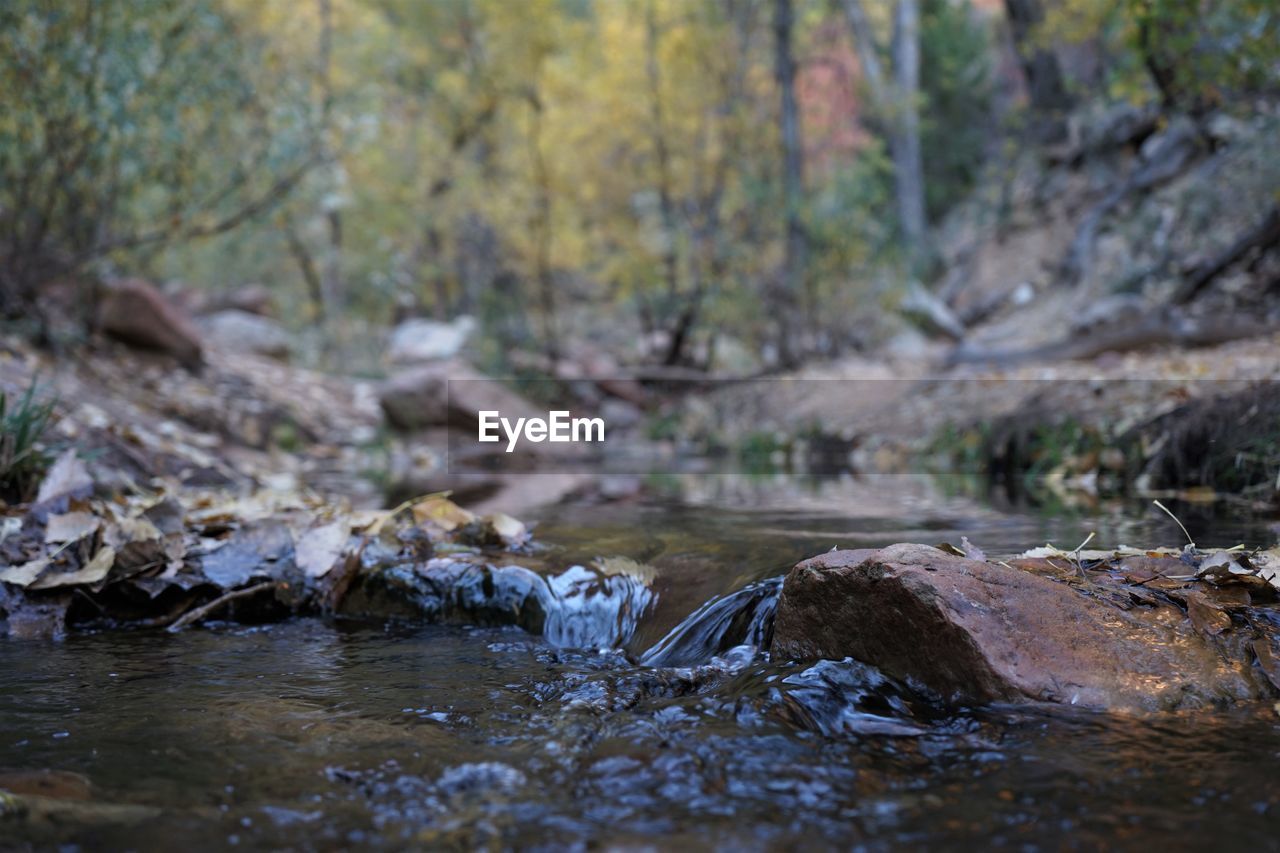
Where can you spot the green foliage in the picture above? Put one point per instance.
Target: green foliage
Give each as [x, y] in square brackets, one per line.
[1192, 55]
[763, 452]
[22, 424]
[1198, 54]
[955, 79]
[127, 124]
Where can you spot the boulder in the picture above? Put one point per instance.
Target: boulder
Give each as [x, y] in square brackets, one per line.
[977, 632]
[241, 331]
[418, 340]
[252, 299]
[451, 394]
[135, 312]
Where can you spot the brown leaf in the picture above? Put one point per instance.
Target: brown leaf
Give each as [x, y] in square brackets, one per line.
[1143, 570]
[1267, 661]
[441, 512]
[1208, 618]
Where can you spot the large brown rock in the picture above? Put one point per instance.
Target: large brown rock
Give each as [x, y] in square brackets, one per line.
[135, 312]
[447, 394]
[980, 632]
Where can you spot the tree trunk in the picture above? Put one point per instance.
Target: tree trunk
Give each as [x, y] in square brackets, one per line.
[543, 235]
[793, 272]
[1049, 96]
[333, 288]
[907, 161]
[331, 275]
[306, 266]
[896, 105]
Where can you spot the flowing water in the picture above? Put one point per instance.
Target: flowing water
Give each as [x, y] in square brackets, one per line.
[669, 729]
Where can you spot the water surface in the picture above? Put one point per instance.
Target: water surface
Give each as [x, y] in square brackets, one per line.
[321, 734]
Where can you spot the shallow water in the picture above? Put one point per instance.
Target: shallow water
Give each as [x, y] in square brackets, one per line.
[328, 734]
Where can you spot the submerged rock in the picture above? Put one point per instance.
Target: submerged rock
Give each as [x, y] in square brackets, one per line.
[973, 631]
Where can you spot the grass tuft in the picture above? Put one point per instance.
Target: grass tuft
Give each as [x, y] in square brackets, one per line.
[22, 460]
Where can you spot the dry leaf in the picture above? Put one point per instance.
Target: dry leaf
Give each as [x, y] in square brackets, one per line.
[625, 566]
[26, 573]
[67, 476]
[441, 512]
[319, 548]
[1268, 663]
[70, 527]
[511, 531]
[92, 572]
[1207, 617]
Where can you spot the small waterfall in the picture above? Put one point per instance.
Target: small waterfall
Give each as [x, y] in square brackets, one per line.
[847, 697]
[588, 609]
[578, 608]
[741, 618]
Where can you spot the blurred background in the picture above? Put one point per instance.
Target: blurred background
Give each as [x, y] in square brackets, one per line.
[633, 200]
[731, 184]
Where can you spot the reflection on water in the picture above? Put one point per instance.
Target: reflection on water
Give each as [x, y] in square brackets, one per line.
[326, 735]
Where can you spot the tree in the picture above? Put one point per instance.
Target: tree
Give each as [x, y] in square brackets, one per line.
[897, 104]
[793, 267]
[127, 125]
[955, 86]
[1050, 100]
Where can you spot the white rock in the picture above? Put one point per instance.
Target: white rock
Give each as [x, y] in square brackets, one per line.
[421, 340]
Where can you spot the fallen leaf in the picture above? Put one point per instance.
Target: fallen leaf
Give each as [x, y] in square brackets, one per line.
[248, 554]
[1219, 565]
[511, 531]
[70, 527]
[66, 477]
[1268, 565]
[131, 530]
[1207, 617]
[1267, 661]
[92, 572]
[625, 566]
[10, 526]
[167, 515]
[319, 548]
[441, 512]
[1051, 551]
[26, 573]
[1155, 571]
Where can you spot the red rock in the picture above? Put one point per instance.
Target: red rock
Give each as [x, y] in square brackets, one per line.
[135, 312]
[979, 632]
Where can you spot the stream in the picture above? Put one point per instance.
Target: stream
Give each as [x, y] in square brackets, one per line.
[331, 734]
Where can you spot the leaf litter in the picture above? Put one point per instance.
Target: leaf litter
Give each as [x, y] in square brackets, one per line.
[169, 556]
